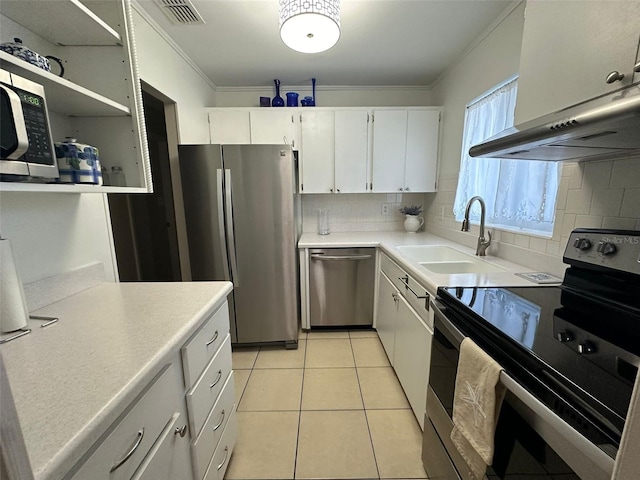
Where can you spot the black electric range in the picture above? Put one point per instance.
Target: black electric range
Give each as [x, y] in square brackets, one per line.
[578, 342]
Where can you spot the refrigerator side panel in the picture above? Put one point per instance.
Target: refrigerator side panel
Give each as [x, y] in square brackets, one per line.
[266, 280]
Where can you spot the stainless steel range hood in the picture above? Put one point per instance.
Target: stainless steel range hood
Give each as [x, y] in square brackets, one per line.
[605, 127]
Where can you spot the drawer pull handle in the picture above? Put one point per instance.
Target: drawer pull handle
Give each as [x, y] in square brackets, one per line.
[217, 379]
[219, 424]
[425, 297]
[182, 431]
[127, 456]
[226, 454]
[215, 337]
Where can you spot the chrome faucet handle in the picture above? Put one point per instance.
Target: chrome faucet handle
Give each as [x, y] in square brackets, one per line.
[483, 244]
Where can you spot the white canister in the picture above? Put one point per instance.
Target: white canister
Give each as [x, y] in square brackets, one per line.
[78, 163]
[412, 223]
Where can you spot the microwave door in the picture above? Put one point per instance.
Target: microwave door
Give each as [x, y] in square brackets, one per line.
[14, 141]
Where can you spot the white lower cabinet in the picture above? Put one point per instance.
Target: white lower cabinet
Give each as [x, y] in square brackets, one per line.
[412, 357]
[403, 325]
[138, 433]
[182, 426]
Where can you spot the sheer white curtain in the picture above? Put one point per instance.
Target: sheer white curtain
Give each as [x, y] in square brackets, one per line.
[520, 195]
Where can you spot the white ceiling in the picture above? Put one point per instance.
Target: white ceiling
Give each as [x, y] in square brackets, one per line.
[383, 42]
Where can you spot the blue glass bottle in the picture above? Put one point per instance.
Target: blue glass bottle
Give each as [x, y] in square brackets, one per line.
[277, 101]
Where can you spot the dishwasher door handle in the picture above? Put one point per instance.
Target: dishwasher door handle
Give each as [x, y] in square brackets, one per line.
[321, 257]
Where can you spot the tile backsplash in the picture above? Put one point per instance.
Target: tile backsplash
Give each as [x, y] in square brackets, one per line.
[591, 195]
[358, 212]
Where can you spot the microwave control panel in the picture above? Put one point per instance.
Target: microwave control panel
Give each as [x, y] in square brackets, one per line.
[35, 119]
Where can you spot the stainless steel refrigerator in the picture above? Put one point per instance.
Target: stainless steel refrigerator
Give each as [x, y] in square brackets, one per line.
[243, 217]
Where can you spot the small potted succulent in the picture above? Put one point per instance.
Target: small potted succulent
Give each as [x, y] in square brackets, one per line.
[412, 222]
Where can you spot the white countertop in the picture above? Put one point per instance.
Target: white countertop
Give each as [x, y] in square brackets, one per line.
[389, 241]
[71, 380]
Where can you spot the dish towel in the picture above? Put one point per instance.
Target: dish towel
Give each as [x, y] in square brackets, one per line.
[476, 406]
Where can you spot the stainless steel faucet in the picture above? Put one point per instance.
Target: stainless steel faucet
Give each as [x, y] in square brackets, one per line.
[481, 249]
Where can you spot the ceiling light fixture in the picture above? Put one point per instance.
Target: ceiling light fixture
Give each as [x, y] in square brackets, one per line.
[310, 26]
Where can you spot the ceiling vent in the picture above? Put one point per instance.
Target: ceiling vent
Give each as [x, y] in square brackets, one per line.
[180, 12]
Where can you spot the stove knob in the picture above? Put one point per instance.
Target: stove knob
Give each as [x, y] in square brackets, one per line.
[586, 347]
[582, 244]
[606, 248]
[564, 336]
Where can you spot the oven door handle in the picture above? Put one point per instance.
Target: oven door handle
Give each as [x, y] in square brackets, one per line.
[451, 331]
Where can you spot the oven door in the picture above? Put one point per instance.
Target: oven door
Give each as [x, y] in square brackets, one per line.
[530, 439]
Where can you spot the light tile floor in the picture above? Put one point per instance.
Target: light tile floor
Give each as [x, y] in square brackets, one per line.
[332, 409]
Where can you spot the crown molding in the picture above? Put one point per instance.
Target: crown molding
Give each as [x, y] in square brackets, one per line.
[160, 31]
[328, 88]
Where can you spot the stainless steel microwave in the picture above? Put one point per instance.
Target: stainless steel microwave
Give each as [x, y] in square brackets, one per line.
[26, 144]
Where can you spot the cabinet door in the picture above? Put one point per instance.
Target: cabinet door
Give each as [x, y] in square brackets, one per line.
[412, 354]
[386, 314]
[271, 126]
[317, 151]
[169, 458]
[352, 141]
[389, 150]
[569, 48]
[422, 150]
[229, 127]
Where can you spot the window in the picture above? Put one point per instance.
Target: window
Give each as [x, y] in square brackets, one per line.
[520, 195]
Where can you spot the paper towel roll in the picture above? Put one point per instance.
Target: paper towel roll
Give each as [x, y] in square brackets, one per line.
[13, 305]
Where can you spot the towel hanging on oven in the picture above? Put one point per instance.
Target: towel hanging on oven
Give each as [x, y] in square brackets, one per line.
[476, 406]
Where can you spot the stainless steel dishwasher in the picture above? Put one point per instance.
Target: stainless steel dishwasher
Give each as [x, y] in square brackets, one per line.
[341, 284]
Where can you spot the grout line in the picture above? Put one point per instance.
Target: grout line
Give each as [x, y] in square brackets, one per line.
[304, 367]
[366, 417]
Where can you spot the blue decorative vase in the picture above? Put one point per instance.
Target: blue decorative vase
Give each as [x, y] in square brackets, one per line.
[277, 101]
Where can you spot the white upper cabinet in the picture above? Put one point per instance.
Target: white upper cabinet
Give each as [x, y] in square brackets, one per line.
[570, 48]
[333, 152]
[351, 150]
[229, 127]
[405, 150]
[389, 150]
[422, 150]
[272, 126]
[98, 100]
[317, 151]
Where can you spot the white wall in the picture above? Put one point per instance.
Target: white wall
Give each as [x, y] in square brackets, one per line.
[329, 96]
[53, 233]
[162, 66]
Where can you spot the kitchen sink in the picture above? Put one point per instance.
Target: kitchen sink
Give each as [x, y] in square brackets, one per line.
[447, 260]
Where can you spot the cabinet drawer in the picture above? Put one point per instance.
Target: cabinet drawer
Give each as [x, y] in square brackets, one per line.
[164, 461]
[204, 344]
[222, 455]
[119, 455]
[393, 271]
[204, 393]
[205, 444]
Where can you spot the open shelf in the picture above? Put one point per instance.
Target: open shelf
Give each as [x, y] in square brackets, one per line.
[63, 22]
[66, 188]
[63, 96]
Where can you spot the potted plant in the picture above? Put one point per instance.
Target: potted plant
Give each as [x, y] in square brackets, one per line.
[412, 222]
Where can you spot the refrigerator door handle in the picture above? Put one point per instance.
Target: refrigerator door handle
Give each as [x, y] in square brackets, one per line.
[221, 225]
[230, 233]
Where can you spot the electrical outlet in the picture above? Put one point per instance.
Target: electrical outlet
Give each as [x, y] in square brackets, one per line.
[442, 213]
[385, 209]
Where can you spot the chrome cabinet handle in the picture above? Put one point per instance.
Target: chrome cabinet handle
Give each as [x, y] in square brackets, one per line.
[331, 190]
[215, 337]
[636, 67]
[338, 190]
[220, 423]
[221, 225]
[406, 189]
[400, 189]
[217, 379]
[226, 454]
[230, 229]
[614, 76]
[127, 456]
[394, 295]
[405, 282]
[182, 431]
